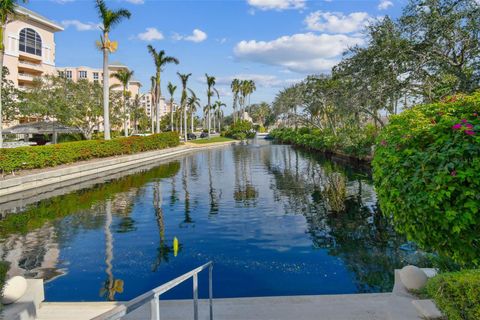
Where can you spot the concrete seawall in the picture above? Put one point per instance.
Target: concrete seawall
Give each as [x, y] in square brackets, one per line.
[50, 179]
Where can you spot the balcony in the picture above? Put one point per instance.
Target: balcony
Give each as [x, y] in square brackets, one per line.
[25, 78]
[30, 57]
[30, 67]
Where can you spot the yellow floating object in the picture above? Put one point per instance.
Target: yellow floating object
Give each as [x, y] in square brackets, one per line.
[175, 246]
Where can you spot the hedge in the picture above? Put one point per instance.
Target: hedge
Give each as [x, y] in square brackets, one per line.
[354, 142]
[426, 171]
[53, 155]
[457, 294]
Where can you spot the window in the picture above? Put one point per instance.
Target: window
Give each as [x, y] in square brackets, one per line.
[95, 76]
[68, 74]
[30, 42]
[82, 74]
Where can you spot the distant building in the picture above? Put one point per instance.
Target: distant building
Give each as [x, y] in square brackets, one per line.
[96, 75]
[146, 101]
[29, 47]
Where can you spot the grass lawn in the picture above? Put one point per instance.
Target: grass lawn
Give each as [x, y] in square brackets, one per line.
[212, 140]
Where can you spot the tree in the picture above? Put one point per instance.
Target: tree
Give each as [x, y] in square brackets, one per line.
[109, 18]
[444, 45]
[235, 86]
[210, 92]
[183, 101]
[10, 97]
[138, 114]
[161, 60]
[124, 76]
[260, 112]
[153, 89]
[218, 113]
[7, 13]
[193, 103]
[171, 90]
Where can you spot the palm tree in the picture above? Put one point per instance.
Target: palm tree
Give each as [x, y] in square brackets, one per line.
[108, 18]
[7, 13]
[219, 113]
[235, 86]
[193, 103]
[153, 89]
[184, 79]
[171, 90]
[124, 76]
[210, 92]
[252, 87]
[160, 60]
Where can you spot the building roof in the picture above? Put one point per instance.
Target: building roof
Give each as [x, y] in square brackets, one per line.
[116, 64]
[39, 18]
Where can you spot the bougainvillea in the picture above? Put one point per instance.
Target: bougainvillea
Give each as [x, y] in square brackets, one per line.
[427, 176]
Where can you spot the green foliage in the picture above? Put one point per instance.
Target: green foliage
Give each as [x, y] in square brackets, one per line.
[54, 155]
[4, 266]
[240, 130]
[426, 170]
[356, 142]
[457, 294]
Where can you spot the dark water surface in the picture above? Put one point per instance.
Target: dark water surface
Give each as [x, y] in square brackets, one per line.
[274, 220]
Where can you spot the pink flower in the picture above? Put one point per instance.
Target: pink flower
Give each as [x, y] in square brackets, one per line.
[457, 126]
[469, 125]
[470, 132]
[383, 143]
[464, 120]
[453, 173]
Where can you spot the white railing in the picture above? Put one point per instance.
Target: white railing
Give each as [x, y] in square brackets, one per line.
[153, 297]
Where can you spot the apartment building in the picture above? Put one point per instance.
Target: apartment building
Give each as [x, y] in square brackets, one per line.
[29, 47]
[146, 101]
[96, 75]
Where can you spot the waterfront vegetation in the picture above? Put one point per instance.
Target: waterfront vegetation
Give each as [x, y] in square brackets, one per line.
[53, 155]
[457, 294]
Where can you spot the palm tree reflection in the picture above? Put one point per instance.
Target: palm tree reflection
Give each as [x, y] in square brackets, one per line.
[111, 286]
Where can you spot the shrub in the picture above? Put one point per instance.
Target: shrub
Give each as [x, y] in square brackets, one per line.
[427, 175]
[457, 294]
[54, 155]
[240, 130]
[355, 142]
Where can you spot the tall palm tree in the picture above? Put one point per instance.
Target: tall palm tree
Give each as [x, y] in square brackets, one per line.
[161, 60]
[210, 92]
[219, 113]
[153, 89]
[193, 103]
[171, 90]
[109, 18]
[235, 86]
[251, 88]
[124, 76]
[183, 101]
[7, 13]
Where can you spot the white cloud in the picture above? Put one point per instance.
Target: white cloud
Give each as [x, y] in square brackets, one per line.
[277, 4]
[136, 1]
[337, 22]
[62, 1]
[385, 4]
[261, 80]
[304, 52]
[196, 36]
[150, 34]
[81, 26]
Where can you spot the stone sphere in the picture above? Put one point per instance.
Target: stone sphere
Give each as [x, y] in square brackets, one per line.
[413, 278]
[14, 289]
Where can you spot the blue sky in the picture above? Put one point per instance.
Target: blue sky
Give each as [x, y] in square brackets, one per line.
[274, 42]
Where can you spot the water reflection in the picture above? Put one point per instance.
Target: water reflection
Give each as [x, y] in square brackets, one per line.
[261, 212]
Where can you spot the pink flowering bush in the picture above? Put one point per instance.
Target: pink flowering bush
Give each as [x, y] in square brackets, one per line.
[427, 176]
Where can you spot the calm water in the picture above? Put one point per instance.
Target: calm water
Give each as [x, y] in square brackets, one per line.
[274, 220]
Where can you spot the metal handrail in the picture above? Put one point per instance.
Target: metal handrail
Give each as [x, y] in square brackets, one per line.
[153, 296]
